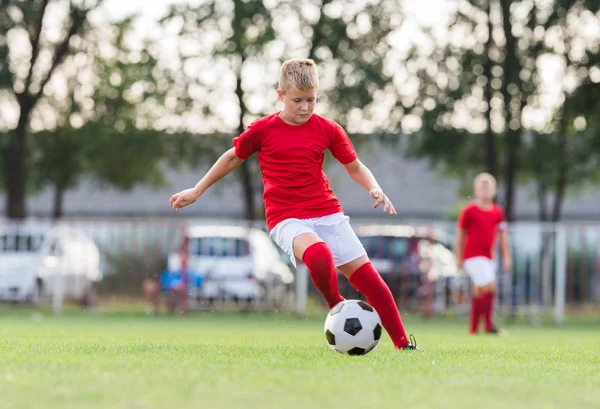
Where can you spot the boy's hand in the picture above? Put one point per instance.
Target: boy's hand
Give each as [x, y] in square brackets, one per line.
[382, 199]
[183, 198]
[506, 263]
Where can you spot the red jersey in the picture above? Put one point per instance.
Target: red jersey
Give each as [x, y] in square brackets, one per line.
[481, 226]
[291, 161]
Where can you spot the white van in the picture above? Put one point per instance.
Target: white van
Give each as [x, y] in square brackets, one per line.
[232, 262]
[33, 257]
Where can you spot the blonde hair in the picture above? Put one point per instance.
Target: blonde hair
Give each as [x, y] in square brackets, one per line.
[300, 73]
[485, 177]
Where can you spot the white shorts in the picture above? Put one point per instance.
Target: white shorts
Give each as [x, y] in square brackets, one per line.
[334, 230]
[481, 270]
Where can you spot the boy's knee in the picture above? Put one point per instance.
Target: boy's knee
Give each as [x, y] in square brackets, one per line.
[303, 242]
[318, 256]
[490, 287]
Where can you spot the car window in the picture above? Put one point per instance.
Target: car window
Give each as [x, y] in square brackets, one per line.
[388, 247]
[20, 242]
[219, 246]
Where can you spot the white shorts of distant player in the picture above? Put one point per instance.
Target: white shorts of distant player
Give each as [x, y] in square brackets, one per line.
[334, 230]
[481, 270]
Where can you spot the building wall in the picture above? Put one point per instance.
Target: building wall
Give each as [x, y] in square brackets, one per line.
[416, 191]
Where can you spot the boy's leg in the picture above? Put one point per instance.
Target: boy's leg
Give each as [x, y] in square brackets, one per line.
[351, 259]
[299, 241]
[476, 270]
[488, 312]
[481, 271]
[489, 294]
[318, 258]
[366, 279]
[477, 307]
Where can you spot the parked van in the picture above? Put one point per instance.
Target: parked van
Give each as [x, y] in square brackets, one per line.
[36, 260]
[231, 263]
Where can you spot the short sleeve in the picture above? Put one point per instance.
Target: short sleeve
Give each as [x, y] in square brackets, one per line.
[502, 225]
[341, 146]
[464, 219]
[248, 143]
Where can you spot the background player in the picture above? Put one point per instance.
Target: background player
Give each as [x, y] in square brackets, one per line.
[478, 225]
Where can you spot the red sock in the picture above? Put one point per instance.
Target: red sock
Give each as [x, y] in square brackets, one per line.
[489, 310]
[477, 305]
[368, 281]
[319, 260]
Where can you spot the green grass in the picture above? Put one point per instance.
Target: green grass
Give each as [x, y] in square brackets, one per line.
[130, 360]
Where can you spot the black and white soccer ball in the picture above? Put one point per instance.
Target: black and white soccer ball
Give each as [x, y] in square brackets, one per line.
[353, 327]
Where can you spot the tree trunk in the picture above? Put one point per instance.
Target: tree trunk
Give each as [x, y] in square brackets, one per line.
[16, 152]
[57, 210]
[245, 169]
[15, 178]
[15, 171]
[491, 156]
[562, 170]
[513, 142]
[561, 181]
[248, 191]
[512, 67]
[542, 201]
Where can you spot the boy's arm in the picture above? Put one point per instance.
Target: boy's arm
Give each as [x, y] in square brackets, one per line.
[228, 162]
[363, 176]
[505, 250]
[459, 245]
[222, 167]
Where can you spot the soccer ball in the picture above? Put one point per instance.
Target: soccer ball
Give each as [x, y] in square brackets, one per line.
[353, 327]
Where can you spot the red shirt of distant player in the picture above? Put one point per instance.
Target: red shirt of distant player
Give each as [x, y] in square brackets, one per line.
[291, 161]
[481, 227]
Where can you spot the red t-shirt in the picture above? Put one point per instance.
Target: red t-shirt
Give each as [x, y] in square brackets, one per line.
[291, 161]
[481, 226]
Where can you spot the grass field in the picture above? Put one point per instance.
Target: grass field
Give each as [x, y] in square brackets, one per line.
[130, 360]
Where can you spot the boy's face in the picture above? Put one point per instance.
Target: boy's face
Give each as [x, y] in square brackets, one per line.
[485, 190]
[298, 105]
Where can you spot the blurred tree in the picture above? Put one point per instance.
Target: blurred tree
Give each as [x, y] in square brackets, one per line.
[56, 160]
[32, 48]
[351, 44]
[108, 128]
[579, 54]
[488, 81]
[229, 39]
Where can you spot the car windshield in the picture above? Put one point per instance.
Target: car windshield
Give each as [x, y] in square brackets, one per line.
[20, 242]
[219, 246]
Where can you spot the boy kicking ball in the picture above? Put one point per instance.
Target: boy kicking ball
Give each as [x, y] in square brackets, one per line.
[478, 225]
[303, 216]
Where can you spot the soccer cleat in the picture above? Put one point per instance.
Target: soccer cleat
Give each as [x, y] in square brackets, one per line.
[412, 345]
[494, 331]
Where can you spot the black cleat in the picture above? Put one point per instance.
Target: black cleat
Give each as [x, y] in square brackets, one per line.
[494, 331]
[412, 345]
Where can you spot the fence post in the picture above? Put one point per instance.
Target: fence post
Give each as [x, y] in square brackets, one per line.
[301, 291]
[561, 274]
[58, 292]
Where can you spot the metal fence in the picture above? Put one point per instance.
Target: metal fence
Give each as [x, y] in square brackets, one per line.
[556, 267]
